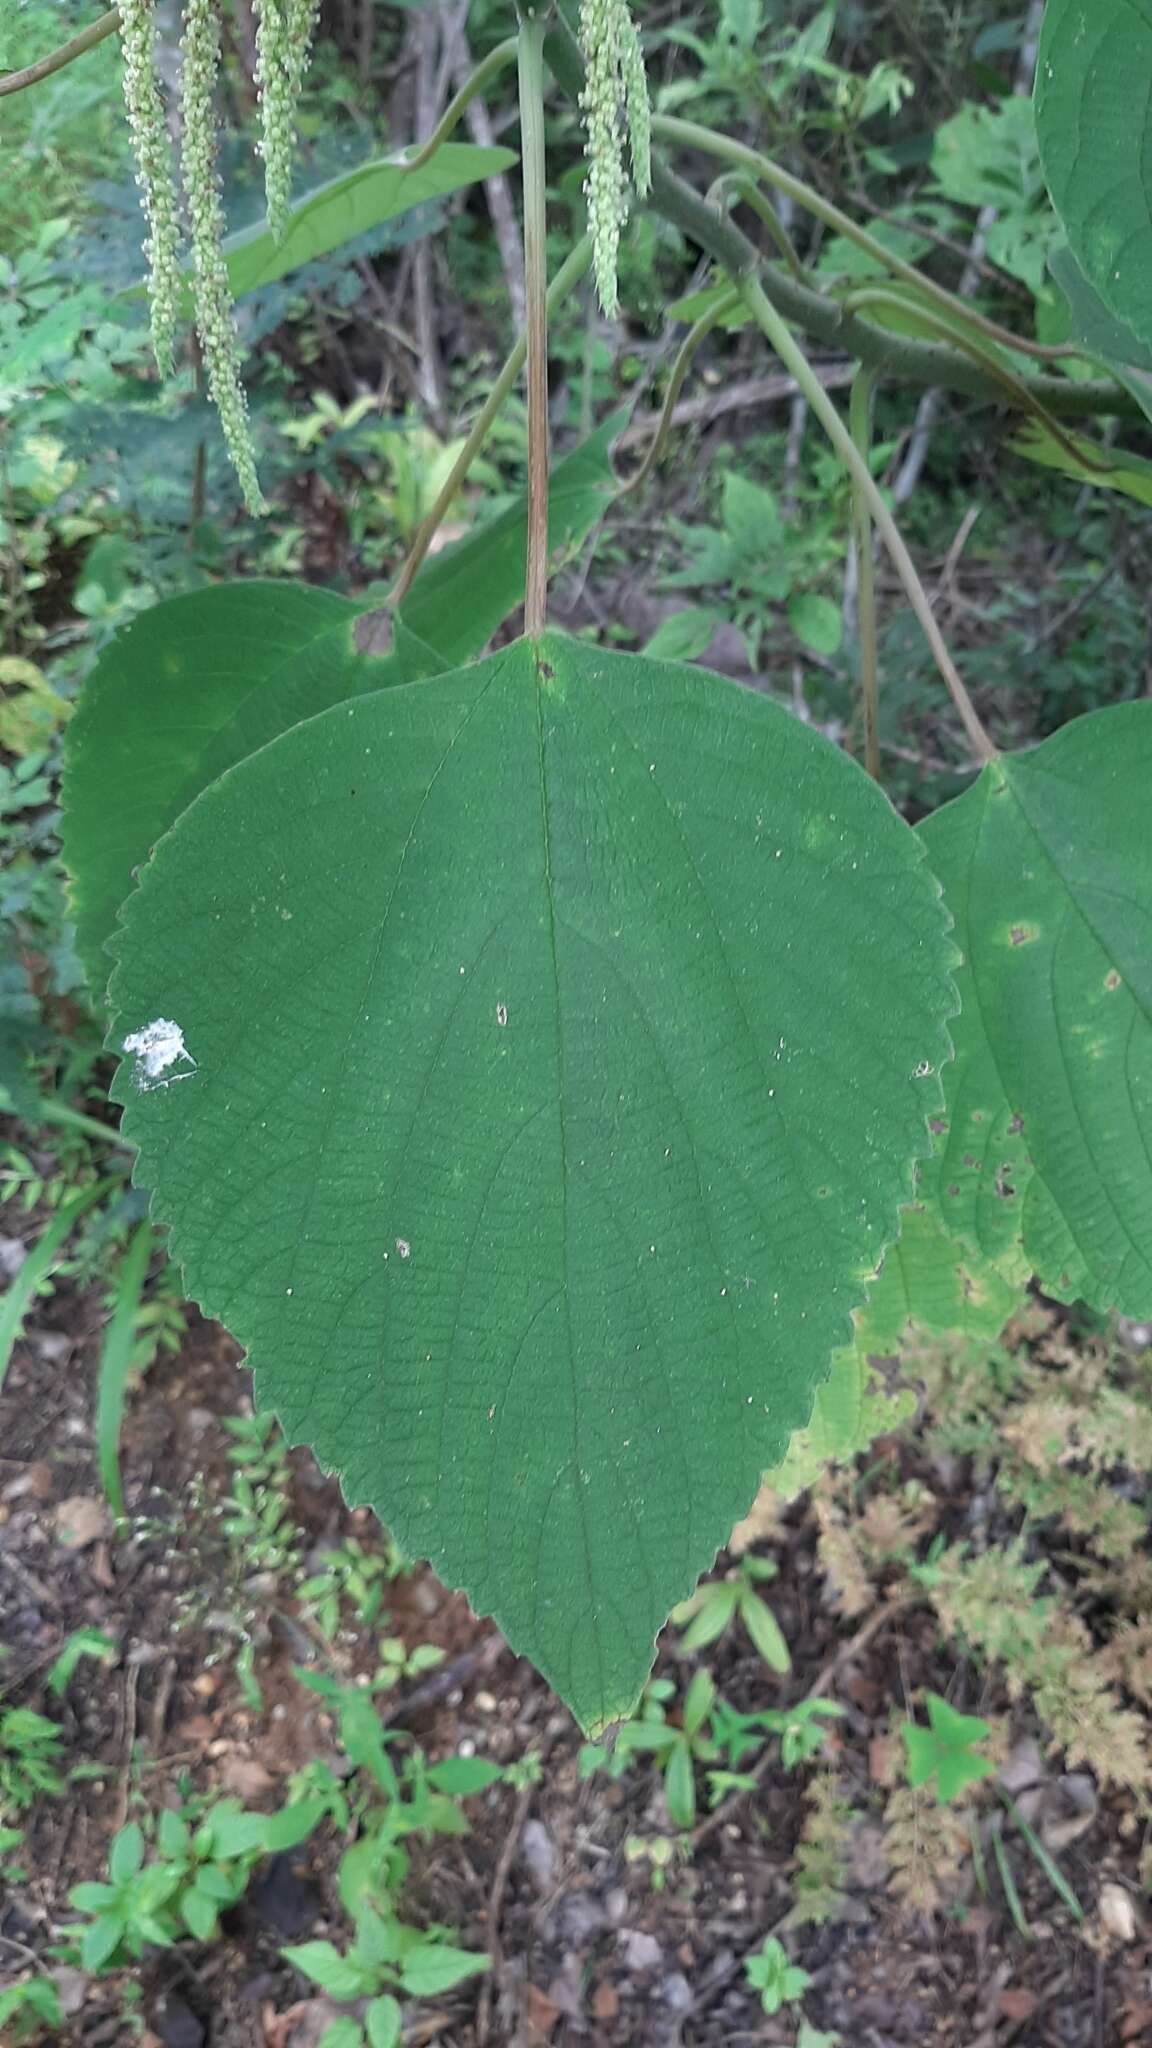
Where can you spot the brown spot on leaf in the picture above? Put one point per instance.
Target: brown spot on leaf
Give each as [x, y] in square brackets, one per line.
[1111, 979]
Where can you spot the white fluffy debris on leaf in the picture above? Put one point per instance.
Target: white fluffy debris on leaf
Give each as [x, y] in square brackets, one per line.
[156, 1049]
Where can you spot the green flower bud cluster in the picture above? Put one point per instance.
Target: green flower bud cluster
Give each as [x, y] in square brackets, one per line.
[154, 174]
[615, 101]
[214, 323]
[283, 39]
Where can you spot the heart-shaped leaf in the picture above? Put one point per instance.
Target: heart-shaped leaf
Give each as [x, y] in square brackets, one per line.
[1047, 869]
[530, 1063]
[1094, 124]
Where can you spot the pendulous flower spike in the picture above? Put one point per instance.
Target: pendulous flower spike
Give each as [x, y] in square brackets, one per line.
[155, 175]
[615, 96]
[214, 323]
[637, 107]
[284, 30]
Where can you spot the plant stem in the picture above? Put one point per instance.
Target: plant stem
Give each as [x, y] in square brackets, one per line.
[860, 426]
[745, 187]
[568, 276]
[900, 360]
[66, 54]
[680, 368]
[1014, 385]
[693, 136]
[493, 64]
[792, 356]
[536, 302]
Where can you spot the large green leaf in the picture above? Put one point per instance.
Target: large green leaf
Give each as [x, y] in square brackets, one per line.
[530, 1064]
[1046, 863]
[1094, 122]
[351, 204]
[181, 693]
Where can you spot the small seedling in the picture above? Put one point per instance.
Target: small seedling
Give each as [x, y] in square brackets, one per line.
[397, 1661]
[778, 1981]
[257, 1513]
[383, 1957]
[203, 1862]
[676, 1750]
[945, 1749]
[659, 1852]
[132, 1911]
[800, 1728]
[716, 1604]
[29, 1751]
[29, 2007]
[350, 1575]
[83, 1642]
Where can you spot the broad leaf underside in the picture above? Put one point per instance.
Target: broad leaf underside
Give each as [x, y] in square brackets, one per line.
[1046, 864]
[1094, 125]
[564, 1030]
[181, 693]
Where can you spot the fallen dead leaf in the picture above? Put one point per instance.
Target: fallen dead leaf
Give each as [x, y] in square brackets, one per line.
[1017, 2005]
[80, 1520]
[101, 1567]
[605, 2002]
[1118, 1912]
[883, 1760]
[540, 2014]
[194, 1733]
[302, 2026]
[246, 1777]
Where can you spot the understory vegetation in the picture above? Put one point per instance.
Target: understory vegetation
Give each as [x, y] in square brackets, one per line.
[263, 1779]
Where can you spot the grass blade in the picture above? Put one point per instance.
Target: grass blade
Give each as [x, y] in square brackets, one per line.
[38, 1265]
[115, 1360]
[1019, 1918]
[1048, 1865]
